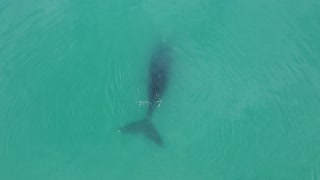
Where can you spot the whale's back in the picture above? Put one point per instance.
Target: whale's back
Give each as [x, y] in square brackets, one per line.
[159, 72]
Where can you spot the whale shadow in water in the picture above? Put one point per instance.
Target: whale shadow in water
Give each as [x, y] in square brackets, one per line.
[159, 71]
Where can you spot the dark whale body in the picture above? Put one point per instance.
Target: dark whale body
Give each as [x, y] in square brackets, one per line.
[157, 83]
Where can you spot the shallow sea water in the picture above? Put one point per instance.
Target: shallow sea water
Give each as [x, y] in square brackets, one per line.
[243, 100]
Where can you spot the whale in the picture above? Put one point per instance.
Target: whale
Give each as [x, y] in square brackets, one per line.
[158, 78]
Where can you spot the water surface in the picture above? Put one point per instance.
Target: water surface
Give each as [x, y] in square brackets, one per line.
[243, 100]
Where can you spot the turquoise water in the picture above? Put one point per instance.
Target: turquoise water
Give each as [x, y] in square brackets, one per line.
[243, 100]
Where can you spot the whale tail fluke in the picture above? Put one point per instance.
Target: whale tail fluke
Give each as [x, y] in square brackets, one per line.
[145, 127]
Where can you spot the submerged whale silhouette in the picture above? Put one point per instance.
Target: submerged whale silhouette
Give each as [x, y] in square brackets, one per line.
[157, 83]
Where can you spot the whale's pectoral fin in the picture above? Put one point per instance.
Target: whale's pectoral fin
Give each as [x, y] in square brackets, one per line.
[145, 127]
